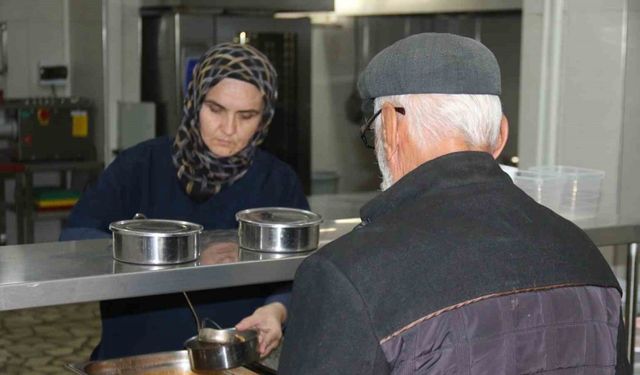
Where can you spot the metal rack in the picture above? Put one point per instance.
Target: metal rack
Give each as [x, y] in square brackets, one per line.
[23, 204]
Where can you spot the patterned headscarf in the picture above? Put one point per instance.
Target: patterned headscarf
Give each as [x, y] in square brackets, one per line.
[201, 172]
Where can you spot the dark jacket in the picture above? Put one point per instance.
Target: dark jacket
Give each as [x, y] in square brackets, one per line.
[456, 271]
[143, 179]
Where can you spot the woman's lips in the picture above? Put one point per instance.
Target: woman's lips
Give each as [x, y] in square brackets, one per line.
[223, 142]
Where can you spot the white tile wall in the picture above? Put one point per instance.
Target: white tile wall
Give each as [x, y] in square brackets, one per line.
[18, 55]
[630, 179]
[46, 45]
[590, 6]
[530, 66]
[35, 34]
[533, 7]
[45, 9]
[17, 9]
[592, 93]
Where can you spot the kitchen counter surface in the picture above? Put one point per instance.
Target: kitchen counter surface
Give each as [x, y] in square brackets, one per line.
[80, 271]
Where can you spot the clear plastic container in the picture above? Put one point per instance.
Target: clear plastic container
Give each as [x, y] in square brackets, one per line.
[544, 187]
[580, 198]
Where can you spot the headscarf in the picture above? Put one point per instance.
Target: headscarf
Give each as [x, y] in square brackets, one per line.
[201, 172]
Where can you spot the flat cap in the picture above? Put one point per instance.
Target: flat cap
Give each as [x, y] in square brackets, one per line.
[430, 63]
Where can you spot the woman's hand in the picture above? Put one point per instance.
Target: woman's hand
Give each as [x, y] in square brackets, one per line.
[267, 320]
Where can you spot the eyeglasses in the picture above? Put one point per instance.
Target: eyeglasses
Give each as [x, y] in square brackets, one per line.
[366, 131]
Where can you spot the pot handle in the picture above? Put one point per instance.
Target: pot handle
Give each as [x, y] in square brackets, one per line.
[139, 216]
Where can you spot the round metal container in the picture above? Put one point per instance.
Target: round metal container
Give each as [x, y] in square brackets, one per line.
[278, 229]
[223, 349]
[155, 241]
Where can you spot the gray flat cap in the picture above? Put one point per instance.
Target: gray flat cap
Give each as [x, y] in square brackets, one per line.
[430, 63]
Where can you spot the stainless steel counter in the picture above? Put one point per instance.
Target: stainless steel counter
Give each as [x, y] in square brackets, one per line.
[80, 271]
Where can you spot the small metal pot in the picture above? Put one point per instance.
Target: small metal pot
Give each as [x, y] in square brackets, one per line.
[278, 229]
[155, 241]
[227, 348]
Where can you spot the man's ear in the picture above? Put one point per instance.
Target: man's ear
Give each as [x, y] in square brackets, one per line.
[502, 138]
[389, 130]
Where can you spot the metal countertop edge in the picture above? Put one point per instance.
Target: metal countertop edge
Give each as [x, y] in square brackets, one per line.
[136, 284]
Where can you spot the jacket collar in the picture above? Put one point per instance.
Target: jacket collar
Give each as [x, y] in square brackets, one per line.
[445, 172]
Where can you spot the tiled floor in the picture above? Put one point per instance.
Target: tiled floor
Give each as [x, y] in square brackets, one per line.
[43, 340]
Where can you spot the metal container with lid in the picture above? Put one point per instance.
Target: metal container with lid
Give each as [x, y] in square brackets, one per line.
[278, 229]
[155, 241]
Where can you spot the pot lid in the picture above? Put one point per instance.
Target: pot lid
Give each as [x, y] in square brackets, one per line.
[156, 227]
[279, 217]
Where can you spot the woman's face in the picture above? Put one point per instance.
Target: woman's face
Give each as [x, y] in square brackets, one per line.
[230, 115]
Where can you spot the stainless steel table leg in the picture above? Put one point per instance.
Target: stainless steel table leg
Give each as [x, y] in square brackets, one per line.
[631, 299]
[19, 204]
[3, 214]
[29, 207]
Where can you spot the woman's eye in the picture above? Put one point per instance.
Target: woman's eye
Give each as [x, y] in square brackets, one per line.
[247, 116]
[215, 109]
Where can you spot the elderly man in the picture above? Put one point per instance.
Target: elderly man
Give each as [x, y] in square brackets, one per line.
[454, 270]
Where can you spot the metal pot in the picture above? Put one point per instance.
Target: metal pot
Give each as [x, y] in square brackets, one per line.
[155, 241]
[278, 229]
[224, 349]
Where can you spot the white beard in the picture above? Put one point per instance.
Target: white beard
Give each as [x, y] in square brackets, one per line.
[387, 179]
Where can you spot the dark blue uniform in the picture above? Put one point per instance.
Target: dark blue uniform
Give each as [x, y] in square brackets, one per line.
[143, 179]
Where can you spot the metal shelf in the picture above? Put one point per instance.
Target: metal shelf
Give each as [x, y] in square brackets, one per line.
[23, 205]
[51, 215]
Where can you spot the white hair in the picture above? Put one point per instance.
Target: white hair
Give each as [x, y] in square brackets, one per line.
[381, 156]
[435, 117]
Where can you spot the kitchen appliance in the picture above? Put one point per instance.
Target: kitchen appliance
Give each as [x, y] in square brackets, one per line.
[48, 128]
[155, 241]
[173, 39]
[278, 229]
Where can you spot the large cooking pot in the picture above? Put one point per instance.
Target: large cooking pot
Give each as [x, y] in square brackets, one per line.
[278, 229]
[155, 241]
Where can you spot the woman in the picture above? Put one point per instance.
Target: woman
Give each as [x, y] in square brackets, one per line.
[210, 171]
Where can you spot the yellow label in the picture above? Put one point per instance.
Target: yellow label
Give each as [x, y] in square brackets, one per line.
[80, 127]
[57, 203]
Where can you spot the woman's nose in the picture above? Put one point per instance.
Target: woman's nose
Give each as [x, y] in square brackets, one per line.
[229, 125]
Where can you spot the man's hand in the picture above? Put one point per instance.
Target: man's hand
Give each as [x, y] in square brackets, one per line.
[267, 320]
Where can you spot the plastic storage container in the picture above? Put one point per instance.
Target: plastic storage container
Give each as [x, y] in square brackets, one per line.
[544, 187]
[580, 198]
